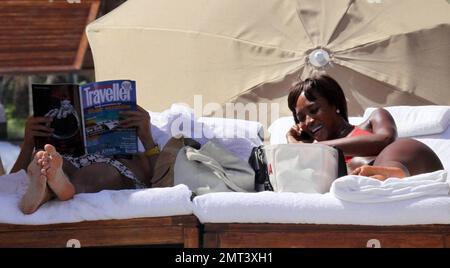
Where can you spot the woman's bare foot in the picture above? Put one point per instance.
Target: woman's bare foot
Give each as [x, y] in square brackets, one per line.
[37, 192]
[379, 172]
[56, 179]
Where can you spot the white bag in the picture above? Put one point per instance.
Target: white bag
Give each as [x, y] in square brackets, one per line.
[306, 168]
[212, 169]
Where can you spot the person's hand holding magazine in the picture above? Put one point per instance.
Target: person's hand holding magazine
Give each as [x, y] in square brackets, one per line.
[53, 175]
[139, 119]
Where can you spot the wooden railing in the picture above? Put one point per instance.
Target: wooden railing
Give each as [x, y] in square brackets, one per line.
[44, 35]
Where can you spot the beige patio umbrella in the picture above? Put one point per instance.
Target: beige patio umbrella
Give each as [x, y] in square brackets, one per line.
[382, 52]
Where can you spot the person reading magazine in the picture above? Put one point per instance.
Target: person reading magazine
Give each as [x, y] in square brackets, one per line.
[53, 175]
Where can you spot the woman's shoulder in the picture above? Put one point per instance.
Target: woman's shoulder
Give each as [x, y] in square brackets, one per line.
[380, 120]
[379, 116]
[380, 113]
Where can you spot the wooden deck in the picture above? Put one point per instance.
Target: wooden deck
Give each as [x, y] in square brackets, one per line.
[175, 230]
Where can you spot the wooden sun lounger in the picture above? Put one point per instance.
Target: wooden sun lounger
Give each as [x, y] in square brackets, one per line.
[174, 230]
[236, 235]
[184, 231]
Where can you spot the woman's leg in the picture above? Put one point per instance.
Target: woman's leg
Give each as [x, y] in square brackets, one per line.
[37, 192]
[98, 177]
[409, 154]
[48, 173]
[46, 178]
[52, 169]
[404, 157]
[66, 180]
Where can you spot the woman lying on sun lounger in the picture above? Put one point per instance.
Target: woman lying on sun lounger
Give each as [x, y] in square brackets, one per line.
[54, 175]
[372, 149]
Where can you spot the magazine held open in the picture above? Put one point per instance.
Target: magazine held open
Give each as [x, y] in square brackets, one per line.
[86, 118]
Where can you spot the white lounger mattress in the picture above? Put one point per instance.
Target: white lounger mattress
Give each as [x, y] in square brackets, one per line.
[270, 207]
[105, 205]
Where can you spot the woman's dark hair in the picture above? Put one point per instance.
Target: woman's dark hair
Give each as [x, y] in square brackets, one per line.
[319, 85]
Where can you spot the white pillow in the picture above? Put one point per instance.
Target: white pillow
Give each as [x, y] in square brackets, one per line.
[281, 126]
[178, 120]
[414, 121]
[238, 136]
[234, 128]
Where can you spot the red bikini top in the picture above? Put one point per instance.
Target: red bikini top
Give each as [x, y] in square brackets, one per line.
[356, 132]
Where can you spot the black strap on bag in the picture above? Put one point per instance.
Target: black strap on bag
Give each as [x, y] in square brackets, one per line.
[342, 166]
[258, 162]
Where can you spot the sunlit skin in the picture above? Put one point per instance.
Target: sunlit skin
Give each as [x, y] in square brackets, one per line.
[319, 119]
[320, 122]
[62, 180]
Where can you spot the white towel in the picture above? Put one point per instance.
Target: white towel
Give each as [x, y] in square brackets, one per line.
[105, 205]
[14, 183]
[8, 153]
[368, 190]
[271, 207]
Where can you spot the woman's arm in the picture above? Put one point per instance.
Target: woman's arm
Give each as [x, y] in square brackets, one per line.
[34, 127]
[381, 124]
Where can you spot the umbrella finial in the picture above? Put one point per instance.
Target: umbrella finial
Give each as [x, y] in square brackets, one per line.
[319, 58]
